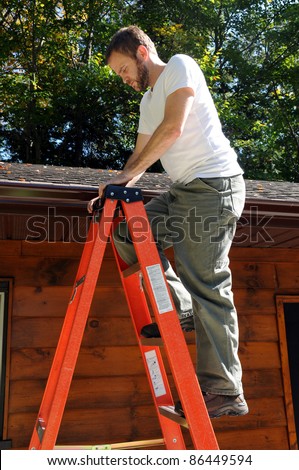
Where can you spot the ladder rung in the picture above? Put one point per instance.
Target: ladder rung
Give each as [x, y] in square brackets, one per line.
[134, 268]
[170, 413]
[159, 342]
[151, 341]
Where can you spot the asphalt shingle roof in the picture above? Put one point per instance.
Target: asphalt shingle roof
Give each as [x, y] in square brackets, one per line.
[73, 177]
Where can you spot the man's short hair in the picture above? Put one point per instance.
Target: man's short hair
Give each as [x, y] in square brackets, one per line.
[127, 40]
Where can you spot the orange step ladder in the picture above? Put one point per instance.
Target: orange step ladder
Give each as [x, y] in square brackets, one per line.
[147, 275]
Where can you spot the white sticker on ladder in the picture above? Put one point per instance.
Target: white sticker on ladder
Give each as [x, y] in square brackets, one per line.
[159, 287]
[155, 373]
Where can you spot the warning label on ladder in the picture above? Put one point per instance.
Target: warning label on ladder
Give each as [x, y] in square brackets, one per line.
[155, 373]
[159, 287]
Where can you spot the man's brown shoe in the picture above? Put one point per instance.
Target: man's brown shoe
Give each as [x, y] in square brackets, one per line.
[221, 405]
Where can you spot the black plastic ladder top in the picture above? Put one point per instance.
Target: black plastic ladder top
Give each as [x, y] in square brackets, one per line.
[122, 193]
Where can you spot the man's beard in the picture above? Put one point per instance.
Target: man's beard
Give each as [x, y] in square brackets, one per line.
[142, 76]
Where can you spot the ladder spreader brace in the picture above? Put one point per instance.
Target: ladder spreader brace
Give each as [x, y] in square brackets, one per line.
[147, 275]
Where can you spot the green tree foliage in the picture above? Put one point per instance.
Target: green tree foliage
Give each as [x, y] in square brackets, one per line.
[60, 104]
[256, 89]
[55, 87]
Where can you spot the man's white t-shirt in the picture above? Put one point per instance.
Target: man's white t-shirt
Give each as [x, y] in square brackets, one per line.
[202, 150]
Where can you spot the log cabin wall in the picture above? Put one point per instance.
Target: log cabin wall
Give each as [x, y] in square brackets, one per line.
[109, 400]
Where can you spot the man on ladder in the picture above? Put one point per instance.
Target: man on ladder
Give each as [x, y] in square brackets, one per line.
[179, 125]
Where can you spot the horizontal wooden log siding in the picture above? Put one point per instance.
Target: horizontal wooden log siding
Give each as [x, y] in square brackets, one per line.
[109, 400]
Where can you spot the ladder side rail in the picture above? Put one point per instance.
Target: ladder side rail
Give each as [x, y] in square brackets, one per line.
[63, 365]
[177, 352]
[160, 390]
[140, 314]
[136, 299]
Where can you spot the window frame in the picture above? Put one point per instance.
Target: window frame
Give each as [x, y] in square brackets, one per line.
[285, 368]
[6, 287]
